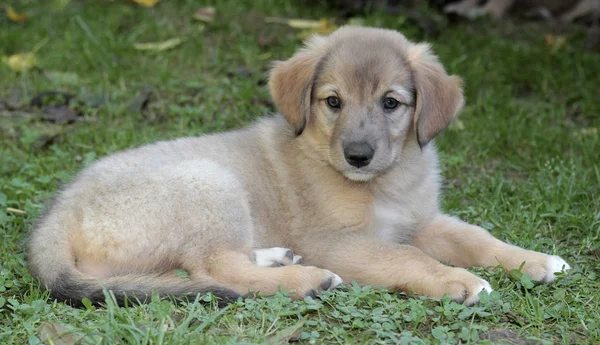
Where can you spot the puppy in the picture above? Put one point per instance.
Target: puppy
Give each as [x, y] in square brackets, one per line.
[346, 177]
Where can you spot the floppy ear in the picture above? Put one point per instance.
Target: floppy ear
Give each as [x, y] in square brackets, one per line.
[291, 81]
[439, 96]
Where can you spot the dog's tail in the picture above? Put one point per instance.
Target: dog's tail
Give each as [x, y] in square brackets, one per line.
[72, 287]
[51, 260]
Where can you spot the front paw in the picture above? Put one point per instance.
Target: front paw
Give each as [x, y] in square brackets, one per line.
[544, 267]
[460, 284]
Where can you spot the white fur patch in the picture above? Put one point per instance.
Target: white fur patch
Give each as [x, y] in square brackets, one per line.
[555, 264]
[389, 218]
[474, 298]
[336, 281]
[276, 256]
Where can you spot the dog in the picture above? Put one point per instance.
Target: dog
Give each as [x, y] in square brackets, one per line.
[565, 11]
[345, 180]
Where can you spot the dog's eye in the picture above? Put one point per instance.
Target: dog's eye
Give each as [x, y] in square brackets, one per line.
[333, 102]
[390, 103]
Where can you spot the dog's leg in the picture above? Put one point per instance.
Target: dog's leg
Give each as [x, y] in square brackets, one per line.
[455, 242]
[582, 8]
[394, 266]
[498, 8]
[236, 271]
[463, 8]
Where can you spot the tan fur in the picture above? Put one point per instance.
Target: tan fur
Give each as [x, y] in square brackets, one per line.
[204, 204]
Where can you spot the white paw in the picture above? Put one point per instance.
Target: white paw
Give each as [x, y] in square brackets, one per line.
[555, 264]
[474, 297]
[274, 257]
[335, 281]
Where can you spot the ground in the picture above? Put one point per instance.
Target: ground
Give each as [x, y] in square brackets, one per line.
[523, 161]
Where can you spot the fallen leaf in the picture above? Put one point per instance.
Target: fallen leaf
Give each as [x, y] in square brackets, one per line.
[21, 62]
[61, 114]
[53, 333]
[326, 27]
[205, 14]
[14, 16]
[323, 27]
[295, 23]
[146, 3]
[15, 210]
[159, 46]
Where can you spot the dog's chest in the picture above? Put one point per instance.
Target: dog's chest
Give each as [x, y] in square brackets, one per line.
[392, 220]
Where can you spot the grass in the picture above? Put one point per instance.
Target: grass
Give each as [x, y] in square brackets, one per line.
[523, 161]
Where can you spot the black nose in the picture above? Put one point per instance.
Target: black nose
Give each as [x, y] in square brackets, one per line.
[358, 154]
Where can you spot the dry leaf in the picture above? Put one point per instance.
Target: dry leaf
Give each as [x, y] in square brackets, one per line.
[21, 62]
[14, 16]
[53, 333]
[310, 27]
[325, 28]
[61, 114]
[205, 14]
[159, 46]
[146, 3]
[295, 23]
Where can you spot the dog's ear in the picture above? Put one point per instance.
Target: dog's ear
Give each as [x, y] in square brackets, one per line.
[439, 96]
[290, 82]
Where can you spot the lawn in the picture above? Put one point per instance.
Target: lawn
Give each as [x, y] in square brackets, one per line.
[523, 161]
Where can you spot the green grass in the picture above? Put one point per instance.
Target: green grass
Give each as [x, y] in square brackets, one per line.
[523, 162]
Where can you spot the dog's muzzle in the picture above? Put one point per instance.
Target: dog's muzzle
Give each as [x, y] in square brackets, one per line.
[358, 154]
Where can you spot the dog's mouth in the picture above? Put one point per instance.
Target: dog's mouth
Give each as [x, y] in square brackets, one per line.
[359, 175]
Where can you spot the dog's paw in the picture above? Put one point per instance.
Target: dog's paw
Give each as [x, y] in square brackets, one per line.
[463, 286]
[555, 264]
[331, 281]
[473, 297]
[541, 267]
[275, 257]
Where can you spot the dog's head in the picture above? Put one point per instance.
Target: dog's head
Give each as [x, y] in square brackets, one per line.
[359, 95]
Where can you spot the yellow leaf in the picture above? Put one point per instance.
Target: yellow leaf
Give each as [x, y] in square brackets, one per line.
[205, 14]
[21, 62]
[159, 46]
[146, 3]
[14, 16]
[295, 23]
[325, 28]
